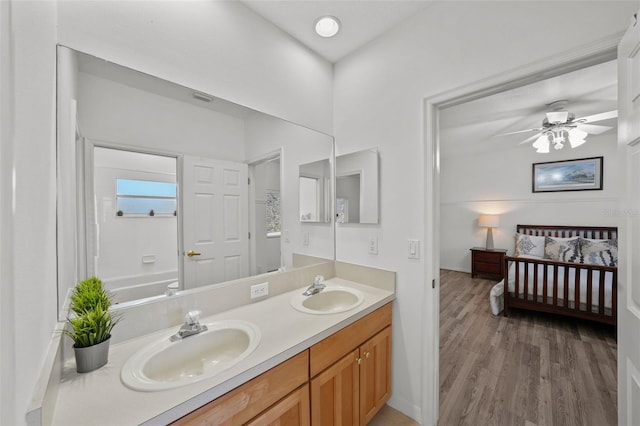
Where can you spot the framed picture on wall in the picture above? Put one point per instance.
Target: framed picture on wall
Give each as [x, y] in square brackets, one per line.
[584, 174]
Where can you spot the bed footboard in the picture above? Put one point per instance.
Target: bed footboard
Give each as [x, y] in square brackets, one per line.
[572, 289]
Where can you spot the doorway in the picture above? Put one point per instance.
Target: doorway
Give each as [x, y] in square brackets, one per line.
[265, 213]
[561, 64]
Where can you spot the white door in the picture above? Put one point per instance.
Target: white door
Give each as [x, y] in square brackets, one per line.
[629, 263]
[215, 221]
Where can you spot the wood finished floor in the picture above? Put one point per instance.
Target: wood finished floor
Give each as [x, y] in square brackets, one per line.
[528, 369]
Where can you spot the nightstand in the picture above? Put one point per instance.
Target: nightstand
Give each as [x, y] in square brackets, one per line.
[488, 263]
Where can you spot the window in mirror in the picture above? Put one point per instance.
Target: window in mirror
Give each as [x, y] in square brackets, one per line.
[141, 197]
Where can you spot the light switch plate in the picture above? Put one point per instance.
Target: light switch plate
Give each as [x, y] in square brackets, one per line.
[414, 249]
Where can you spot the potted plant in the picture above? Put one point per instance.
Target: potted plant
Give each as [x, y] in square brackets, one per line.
[90, 324]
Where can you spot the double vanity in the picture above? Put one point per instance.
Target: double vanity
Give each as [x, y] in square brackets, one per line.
[267, 359]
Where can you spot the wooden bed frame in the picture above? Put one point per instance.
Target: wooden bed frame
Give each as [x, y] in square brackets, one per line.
[560, 303]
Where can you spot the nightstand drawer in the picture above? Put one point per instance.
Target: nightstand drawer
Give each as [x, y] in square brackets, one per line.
[494, 258]
[489, 268]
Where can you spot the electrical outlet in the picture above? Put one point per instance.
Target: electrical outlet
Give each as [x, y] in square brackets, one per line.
[373, 245]
[259, 290]
[305, 239]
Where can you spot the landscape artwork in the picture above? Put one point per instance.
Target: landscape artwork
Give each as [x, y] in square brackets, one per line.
[573, 175]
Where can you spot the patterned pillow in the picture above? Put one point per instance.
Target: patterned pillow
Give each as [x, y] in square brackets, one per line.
[562, 249]
[529, 245]
[599, 252]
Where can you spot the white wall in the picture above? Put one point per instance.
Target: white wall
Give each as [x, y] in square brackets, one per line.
[379, 93]
[216, 47]
[28, 194]
[501, 184]
[117, 113]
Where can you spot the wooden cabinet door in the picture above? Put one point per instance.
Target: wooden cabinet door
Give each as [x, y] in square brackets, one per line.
[375, 374]
[334, 394]
[291, 411]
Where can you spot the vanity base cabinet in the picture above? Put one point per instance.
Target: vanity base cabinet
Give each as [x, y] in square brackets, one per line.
[353, 387]
[375, 374]
[247, 401]
[334, 393]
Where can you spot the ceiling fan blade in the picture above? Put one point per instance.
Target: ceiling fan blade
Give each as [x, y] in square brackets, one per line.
[598, 117]
[594, 129]
[537, 129]
[530, 138]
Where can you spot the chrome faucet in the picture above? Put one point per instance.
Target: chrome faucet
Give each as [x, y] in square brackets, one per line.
[317, 286]
[190, 327]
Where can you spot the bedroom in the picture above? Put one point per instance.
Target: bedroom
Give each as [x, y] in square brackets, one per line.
[486, 172]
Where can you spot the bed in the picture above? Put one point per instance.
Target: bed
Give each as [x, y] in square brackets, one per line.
[570, 277]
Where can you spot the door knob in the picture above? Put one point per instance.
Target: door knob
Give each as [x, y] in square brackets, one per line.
[192, 253]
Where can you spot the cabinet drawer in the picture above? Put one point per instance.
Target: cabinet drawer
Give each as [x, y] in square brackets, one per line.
[334, 347]
[488, 257]
[491, 268]
[246, 401]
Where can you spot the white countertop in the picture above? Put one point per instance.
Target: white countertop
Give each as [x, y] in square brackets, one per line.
[100, 398]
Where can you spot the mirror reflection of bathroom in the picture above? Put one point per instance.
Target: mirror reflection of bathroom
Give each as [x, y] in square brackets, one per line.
[214, 146]
[357, 187]
[133, 217]
[315, 191]
[264, 191]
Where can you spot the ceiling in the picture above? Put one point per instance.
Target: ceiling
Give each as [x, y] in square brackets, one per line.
[477, 125]
[362, 20]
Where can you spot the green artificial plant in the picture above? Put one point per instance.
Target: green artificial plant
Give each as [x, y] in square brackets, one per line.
[92, 321]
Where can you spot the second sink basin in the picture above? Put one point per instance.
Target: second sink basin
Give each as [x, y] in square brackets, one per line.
[166, 364]
[331, 300]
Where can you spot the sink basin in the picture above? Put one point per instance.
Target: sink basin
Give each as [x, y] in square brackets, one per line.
[331, 300]
[165, 364]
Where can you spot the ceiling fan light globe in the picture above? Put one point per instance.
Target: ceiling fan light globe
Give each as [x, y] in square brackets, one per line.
[558, 145]
[542, 144]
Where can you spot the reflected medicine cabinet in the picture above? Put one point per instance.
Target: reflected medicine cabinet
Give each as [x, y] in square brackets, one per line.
[357, 187]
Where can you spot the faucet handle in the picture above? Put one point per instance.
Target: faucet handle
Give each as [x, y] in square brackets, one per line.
[192, 317]
[318, 279]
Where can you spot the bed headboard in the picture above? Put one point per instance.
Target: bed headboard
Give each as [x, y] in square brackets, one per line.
[595, 232]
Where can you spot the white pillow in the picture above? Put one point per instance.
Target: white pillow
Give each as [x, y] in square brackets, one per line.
[529, 245]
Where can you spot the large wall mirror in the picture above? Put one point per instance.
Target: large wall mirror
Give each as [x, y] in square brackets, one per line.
[161, 186]
[357, 187]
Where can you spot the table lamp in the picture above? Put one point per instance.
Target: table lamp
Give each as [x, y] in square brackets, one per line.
[489, 221]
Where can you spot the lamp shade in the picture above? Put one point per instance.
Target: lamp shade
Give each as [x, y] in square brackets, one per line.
[489, 220]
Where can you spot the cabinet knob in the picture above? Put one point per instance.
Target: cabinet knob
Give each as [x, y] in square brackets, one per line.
[359, 360]
[366, 354]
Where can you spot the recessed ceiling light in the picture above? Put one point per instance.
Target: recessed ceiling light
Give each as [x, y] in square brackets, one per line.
[327, 26]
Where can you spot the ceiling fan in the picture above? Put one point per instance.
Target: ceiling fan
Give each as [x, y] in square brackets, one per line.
[560, 126]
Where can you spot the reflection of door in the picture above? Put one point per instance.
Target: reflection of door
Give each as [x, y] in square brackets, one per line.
[215, 221]
[629, 278]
